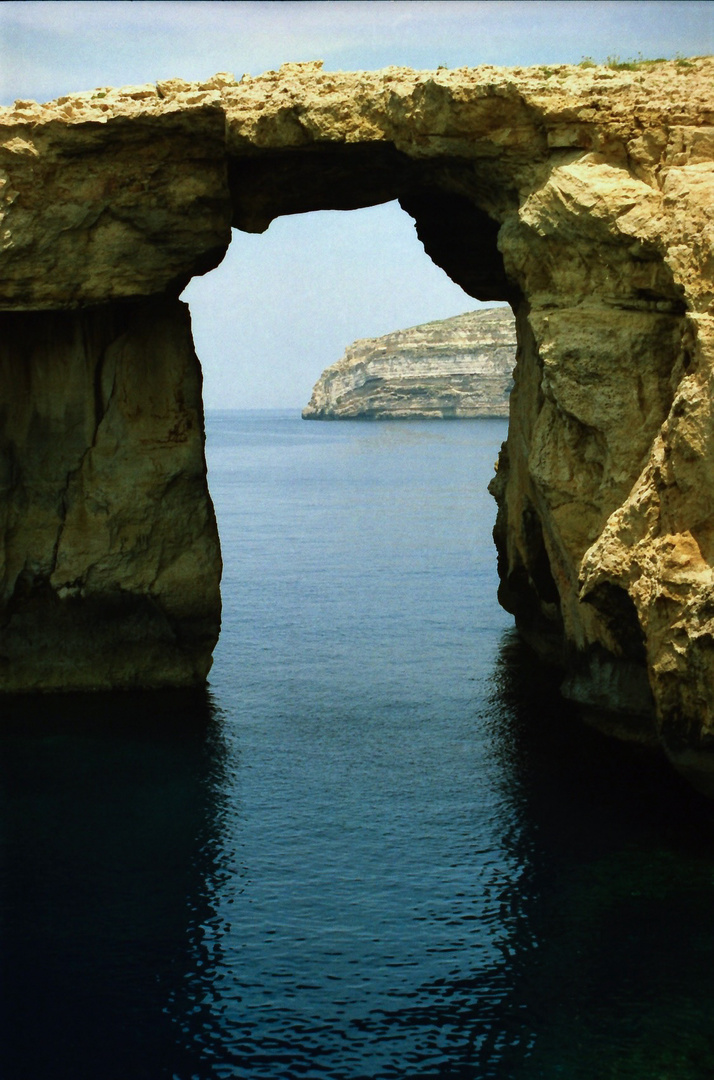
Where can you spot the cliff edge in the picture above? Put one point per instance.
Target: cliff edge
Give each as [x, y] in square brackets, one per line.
[458, 367]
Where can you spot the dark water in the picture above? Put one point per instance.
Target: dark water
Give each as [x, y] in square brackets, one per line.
[374, 848]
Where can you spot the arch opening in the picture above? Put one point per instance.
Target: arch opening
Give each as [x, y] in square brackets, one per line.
[284, 304]
[291, 233]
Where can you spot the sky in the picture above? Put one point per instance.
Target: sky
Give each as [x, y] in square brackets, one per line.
[285, 304]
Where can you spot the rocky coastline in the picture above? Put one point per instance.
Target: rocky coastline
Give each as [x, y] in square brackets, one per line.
[450, 368]
[580, 195]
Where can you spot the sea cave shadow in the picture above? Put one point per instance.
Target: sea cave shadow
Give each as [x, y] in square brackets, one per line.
[607, 967]
[111, 819]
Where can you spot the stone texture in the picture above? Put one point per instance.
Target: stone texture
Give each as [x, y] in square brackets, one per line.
[456, 367]
[110, 562]
[115, 207]
[581, 196]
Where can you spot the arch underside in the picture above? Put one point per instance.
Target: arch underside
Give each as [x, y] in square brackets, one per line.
[605, 533]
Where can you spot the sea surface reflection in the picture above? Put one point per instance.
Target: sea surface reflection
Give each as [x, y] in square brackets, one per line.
[374, 848]
[111, 811]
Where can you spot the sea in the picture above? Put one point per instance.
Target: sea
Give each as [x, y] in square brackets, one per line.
[379, 845]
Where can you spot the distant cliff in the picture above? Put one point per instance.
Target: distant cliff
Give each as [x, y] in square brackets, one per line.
[451, 368]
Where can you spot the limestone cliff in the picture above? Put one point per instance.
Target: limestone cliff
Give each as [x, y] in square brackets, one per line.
[580, 195]
[456, 367]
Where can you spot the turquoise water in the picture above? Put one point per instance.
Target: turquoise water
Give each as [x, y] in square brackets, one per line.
[378, 846]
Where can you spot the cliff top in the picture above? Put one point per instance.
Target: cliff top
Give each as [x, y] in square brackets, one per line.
[471, 326]
[679, 88]
[154, 177]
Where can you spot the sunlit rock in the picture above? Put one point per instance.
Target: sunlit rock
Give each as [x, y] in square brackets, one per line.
[458, 367]
[582, 196]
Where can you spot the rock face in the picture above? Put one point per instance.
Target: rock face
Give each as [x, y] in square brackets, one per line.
[455, 367]
[582, 196]
[110, 551]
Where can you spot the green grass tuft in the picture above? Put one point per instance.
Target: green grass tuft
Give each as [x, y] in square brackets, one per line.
[632, 63]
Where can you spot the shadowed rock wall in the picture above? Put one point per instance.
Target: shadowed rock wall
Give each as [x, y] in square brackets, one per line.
[110, 550]
[582, 196]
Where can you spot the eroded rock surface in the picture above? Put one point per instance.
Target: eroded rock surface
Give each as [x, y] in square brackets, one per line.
[581, 196]
[110, 557]
[458, 367]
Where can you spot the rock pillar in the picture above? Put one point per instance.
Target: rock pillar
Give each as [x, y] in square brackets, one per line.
[110, 563]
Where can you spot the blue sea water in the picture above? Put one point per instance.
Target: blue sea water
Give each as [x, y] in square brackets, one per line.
[378, 846]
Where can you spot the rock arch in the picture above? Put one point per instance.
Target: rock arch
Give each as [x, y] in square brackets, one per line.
[580, 195]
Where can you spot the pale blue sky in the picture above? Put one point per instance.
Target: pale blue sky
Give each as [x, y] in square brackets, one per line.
[284, 305]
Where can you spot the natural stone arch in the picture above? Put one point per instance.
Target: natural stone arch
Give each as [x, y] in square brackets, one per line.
[580, 196]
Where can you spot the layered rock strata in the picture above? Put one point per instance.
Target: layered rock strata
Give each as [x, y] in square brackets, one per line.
[458, 367]
[580, 195]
